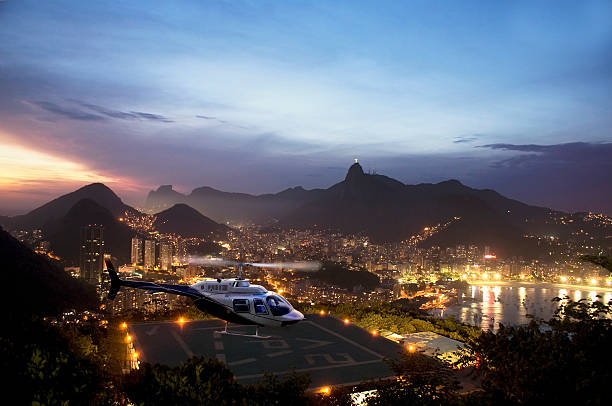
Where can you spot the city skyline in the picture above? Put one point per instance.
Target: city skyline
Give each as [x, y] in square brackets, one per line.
[258, 97]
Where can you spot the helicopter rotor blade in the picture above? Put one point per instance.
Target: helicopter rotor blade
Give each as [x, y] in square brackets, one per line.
[299, 266]
[213, 261]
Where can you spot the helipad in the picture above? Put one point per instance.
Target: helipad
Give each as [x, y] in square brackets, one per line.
[330, 351]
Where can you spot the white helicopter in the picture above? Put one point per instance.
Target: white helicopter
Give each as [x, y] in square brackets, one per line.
[234, 300]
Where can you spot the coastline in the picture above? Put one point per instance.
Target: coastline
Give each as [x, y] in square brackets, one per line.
[538, 284]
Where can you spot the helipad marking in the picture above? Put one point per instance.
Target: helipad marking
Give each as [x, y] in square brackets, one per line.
[241, 362]
[278, 354]
[182, 343]
[348, 340]
[316, 343]
[375, 361]
[348, 360]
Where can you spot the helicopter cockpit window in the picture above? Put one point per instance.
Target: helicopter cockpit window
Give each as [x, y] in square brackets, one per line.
[260, 307]
[241, 305]
[242, 284]
[278, 306]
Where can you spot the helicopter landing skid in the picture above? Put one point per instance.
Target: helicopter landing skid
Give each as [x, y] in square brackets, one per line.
[256, 335]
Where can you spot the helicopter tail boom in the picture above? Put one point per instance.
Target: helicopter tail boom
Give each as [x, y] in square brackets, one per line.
[115, 281]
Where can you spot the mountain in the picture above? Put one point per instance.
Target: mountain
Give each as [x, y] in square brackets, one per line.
[388, 210]
[34, 285]
[186, 221]
[233, 207]
[65, 234]
[48, 214]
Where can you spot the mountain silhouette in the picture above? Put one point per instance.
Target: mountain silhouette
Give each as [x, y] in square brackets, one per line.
[46, 215]
[48, 289]
[65, 234]
[186, 221]
[237, 208]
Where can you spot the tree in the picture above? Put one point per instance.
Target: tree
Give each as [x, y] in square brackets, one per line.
[559, 361]
[421, 380]
[600, 260]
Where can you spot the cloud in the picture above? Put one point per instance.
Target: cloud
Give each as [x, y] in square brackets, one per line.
[556, 155]
[206, 117]
[103, 113]
[464, 139]
[132, 115]
[72, 113]
[570, 176]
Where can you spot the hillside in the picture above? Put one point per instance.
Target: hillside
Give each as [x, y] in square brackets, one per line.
[237, 208]
[185, 221]
[388, 210]
[50, 213]
[65, 234]
[37, 286]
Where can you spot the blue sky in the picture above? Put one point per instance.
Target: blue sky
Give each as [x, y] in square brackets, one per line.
[257, 96]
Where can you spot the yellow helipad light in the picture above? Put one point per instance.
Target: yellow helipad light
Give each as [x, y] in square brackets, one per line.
[124, 325]
[128, 338]
[322, 312]
[135, 355]
[411, 348]
[325, 390]
[346, 321]
[181, 320]
[374, 332]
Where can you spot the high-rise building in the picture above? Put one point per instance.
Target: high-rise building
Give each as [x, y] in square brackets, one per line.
[165, 256]
[91, 253]
[149, 254]
[136, 255]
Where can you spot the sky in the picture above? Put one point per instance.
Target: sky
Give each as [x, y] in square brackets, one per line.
[257, 96]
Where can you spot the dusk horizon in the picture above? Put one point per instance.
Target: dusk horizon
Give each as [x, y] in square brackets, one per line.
[259, 97]
[306, 202]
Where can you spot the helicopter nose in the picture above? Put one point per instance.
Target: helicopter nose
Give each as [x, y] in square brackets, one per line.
[292, 318]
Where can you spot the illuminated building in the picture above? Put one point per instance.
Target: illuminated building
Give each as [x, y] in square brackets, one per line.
[149, 254]
[136, 253]
[91, 253]
[165, 256]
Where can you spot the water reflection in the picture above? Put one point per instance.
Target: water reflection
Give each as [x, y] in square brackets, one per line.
[488, 306]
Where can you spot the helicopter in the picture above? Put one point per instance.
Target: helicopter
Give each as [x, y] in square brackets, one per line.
[233, 300]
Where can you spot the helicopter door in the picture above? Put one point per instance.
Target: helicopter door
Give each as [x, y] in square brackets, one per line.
[241, 306]
[260, 307]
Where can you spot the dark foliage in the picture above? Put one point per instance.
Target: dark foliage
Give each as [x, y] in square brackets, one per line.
[201, 381]
[34, 285]
[47, 366]
[561, 361]
[603, 261]
[337, 274]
